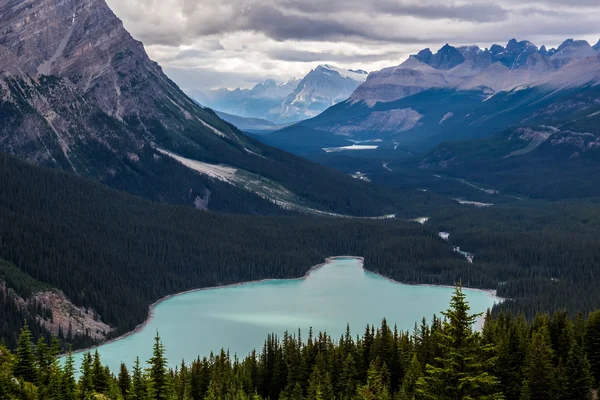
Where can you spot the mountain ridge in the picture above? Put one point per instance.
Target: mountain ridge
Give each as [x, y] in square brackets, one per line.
[290, 101]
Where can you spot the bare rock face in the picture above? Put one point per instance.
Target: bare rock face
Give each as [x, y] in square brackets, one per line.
[75, 86]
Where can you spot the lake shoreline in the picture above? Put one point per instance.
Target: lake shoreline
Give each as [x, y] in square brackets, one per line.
[328, 260]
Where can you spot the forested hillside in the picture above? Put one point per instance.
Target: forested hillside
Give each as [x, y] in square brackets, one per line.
[551, 358]
[117, 254]
[95, 244]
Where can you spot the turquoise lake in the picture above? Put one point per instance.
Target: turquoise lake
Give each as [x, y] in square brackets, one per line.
[239, 318]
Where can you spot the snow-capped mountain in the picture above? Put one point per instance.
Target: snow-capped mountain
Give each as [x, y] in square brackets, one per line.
[323, 87]
[491, 70]
[290, 101]
[462, 93]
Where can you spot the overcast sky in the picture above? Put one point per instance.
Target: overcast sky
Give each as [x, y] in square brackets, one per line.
[230, 43]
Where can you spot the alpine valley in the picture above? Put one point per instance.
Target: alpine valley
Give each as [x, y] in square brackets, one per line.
[466, 175]
[503, 117]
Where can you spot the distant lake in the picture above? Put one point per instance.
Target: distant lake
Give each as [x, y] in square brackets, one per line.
[239, 318]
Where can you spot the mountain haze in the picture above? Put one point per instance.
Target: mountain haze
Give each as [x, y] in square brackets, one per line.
[291, 101]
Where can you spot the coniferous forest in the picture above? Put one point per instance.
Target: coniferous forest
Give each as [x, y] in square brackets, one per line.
[116, 254]
[550, 358]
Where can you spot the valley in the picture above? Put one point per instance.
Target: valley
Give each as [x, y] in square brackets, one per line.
[169, 228]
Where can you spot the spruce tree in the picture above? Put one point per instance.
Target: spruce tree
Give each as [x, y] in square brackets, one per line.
[138, 385]
[538, 371]
[159, 382]
[413, 374]
[319, 385]
[592, 344]
[460, 372]
[25, 365]
[69, 386]
[124, 381]
[376, 387]
[578, 378]
[86, 383]
[99, 376]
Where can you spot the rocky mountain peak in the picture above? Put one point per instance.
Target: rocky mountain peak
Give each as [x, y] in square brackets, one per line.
[496, 49]
[446, 58]
[571, 44]
[90, 88]
[597, 46]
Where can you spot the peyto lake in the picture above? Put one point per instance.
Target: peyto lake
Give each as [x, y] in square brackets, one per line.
[240, 317]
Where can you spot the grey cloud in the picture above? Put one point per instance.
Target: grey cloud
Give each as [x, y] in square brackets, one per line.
[467, 12]
[313, 56]
[383, 30]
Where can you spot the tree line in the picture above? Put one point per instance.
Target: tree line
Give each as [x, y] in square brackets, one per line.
[550, 358]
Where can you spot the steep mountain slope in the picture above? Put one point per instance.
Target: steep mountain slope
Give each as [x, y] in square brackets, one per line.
[289, 102]
[77, 92]
[459, 93]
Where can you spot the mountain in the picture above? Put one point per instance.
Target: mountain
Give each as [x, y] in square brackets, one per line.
[249, 103]
[291, 101]
[77, 92]
[323, 87]
[456, 93]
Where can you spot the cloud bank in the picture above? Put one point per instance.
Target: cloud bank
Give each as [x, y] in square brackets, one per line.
[213, 43]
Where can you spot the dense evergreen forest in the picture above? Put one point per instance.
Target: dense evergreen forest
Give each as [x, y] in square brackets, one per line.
[551, 358]
[116, 254]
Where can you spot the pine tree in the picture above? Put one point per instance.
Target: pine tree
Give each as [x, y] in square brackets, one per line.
[138, 385]
[538, 371]
[578, 378]
[86, 383]
[319, 384]
[592, 344]
[99, 376]
[161, 389]
[124, 381]
[348, 378]
[376, 387]
[413, 374]
[460, 371]
[25, 364]
[69, 386]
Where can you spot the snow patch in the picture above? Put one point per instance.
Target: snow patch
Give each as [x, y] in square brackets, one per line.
[353, 147]
[355, 76]
[212, 128]
[222, 173]
[473, 203]
[448, 115]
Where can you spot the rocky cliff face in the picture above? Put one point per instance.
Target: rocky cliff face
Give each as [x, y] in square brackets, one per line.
[74, 84]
